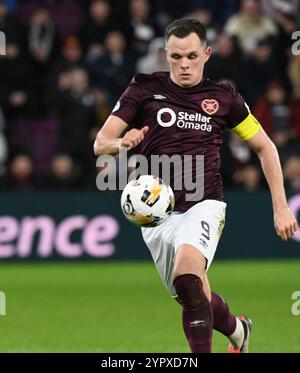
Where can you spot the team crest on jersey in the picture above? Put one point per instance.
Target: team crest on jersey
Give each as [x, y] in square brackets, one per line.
[210, 106]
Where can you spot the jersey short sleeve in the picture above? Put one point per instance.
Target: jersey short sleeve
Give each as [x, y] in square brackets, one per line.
[240, 119]
[129, 106]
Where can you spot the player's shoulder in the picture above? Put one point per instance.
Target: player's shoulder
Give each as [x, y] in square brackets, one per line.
[224, 86]
[149, 80]
[226, 93]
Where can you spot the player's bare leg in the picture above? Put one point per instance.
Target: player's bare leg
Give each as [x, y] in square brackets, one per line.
[197, 317]
[234, 328]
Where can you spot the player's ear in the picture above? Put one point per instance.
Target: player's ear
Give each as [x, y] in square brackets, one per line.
[167, 54]
[207, 54]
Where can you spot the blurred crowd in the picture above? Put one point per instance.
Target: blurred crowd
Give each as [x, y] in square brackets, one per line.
[67, 62]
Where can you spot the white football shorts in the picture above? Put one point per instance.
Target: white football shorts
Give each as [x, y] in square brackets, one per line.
[201, 226]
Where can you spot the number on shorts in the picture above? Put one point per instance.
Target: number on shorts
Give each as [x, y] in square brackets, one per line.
[205, 227]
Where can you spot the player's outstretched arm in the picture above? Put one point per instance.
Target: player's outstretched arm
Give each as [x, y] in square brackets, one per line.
[109, 140]
[284, 221]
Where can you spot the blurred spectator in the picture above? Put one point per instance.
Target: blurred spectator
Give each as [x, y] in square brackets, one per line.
[42, 39]
[71, 54]
[250, 26]
[70, 58]
[291, 172]
[204, 16]
[21, 173]
[220, 10]
[95, 28]
[280, 117]
[273, 112]
[259, 71]
[240, 151]
[64, 173]
[236, 155]
[113, 70]
[16, 92]
[102, 110]
[155, 60]
[295, 115]
[75, 112]
[286, 24]
[226, 62]
[294, 74]
[43, 46]
[140, 29]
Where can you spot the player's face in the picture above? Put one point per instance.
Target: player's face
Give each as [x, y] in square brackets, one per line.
[186, 57]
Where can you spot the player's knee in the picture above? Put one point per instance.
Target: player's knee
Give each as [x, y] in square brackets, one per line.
[189, 289]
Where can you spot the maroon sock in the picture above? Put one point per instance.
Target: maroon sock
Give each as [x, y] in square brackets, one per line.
[224, 321]
[197, 315]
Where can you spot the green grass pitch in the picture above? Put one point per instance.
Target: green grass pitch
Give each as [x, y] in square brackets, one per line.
[123, 307]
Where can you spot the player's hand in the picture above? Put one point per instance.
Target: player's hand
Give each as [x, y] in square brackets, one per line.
[134, 137]
[285, 223]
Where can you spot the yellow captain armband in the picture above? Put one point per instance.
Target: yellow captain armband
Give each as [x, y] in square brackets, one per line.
[247, 128]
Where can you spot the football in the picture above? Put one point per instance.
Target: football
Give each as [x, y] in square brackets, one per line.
[147, 201]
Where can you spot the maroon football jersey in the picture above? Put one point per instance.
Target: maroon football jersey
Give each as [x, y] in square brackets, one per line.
[183, 121]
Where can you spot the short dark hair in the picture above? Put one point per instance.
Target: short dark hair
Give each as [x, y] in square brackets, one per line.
[183, 27]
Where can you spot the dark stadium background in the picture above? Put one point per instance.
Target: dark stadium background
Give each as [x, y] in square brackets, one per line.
[76, 276]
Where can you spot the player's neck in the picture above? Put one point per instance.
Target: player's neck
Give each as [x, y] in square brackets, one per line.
[173, 80]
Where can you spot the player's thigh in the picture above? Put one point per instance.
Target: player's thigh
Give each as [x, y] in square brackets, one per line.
[189, 259]
[200, 227]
